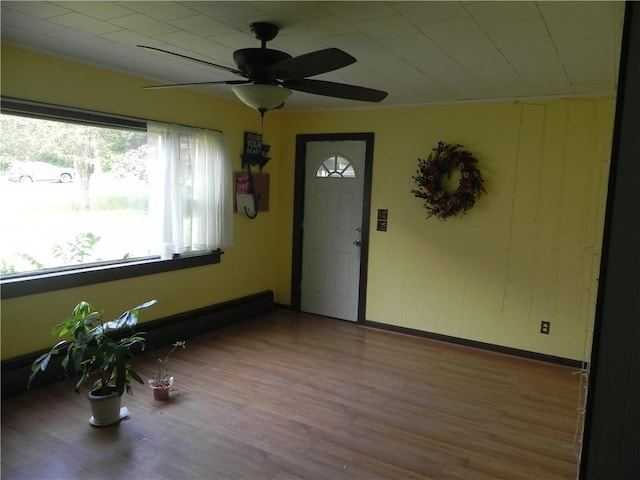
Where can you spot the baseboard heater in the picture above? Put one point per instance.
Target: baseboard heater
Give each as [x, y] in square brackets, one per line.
[16, 371]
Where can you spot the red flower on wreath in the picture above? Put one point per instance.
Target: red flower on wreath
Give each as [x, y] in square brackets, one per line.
[429, 177]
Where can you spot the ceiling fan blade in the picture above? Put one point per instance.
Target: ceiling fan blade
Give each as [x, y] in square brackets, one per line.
[190, 84]
[310, 64]
[339, 90]
[228, 69]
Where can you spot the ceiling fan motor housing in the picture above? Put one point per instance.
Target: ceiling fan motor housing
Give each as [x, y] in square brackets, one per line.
[254, 63]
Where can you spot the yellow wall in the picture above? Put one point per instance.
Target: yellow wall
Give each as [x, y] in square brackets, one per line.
[528, 251]
[246, 268]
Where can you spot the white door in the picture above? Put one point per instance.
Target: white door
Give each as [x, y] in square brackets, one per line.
[334, 186]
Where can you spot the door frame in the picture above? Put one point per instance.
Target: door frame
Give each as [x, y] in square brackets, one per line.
[298, 213]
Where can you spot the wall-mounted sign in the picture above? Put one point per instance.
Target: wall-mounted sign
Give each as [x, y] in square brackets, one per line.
[252, 143]
[255, 153]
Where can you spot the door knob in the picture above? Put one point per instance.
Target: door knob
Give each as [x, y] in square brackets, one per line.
[357, 243]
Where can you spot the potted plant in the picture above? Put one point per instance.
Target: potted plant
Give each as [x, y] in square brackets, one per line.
[92, 351]
[161, 382]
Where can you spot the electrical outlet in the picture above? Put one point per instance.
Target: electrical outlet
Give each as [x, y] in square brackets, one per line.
[545, 327]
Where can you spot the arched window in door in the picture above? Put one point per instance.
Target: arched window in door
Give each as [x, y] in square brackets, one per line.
[335, 166]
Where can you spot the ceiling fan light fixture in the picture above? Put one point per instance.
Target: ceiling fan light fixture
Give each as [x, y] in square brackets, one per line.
[261, 97]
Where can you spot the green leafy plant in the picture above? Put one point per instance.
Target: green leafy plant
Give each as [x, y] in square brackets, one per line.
[162, 378]
[72, 253]
[77, 250]
[32, 261]
[89, 350]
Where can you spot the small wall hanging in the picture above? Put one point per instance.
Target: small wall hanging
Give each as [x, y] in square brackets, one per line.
[443, 161]
[252, 196]
[252, 189]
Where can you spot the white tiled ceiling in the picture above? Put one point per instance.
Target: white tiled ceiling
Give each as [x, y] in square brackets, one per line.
[421, 52]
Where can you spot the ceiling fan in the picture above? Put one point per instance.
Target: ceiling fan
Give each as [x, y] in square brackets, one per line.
[271, 75]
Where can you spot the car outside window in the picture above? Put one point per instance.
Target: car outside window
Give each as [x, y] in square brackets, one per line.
[29, 172]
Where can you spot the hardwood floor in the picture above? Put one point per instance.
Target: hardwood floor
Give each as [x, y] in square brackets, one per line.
[293, 396]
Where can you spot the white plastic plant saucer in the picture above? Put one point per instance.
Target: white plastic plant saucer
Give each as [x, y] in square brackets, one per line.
[124, 413]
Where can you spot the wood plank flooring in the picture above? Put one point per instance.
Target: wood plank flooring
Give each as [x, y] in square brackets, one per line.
[290, 396]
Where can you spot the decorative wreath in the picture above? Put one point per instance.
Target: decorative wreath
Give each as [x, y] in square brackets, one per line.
[442, 161]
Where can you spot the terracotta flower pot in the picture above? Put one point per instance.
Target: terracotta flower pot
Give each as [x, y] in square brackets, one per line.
[161, 392]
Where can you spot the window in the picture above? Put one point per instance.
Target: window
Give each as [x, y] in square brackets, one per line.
[82, 194]
[335, 166]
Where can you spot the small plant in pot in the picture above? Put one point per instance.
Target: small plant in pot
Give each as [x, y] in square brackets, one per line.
[93, 349]
[161, 382]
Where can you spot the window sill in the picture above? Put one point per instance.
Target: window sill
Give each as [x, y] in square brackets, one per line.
[50, 281]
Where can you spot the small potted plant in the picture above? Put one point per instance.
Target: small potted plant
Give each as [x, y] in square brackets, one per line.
[91, 350]
[161, 382]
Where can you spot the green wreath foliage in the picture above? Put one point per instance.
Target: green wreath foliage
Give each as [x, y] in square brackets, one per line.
[443, 160]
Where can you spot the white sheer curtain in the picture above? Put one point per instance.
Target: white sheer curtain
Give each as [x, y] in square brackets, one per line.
[191, 187]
